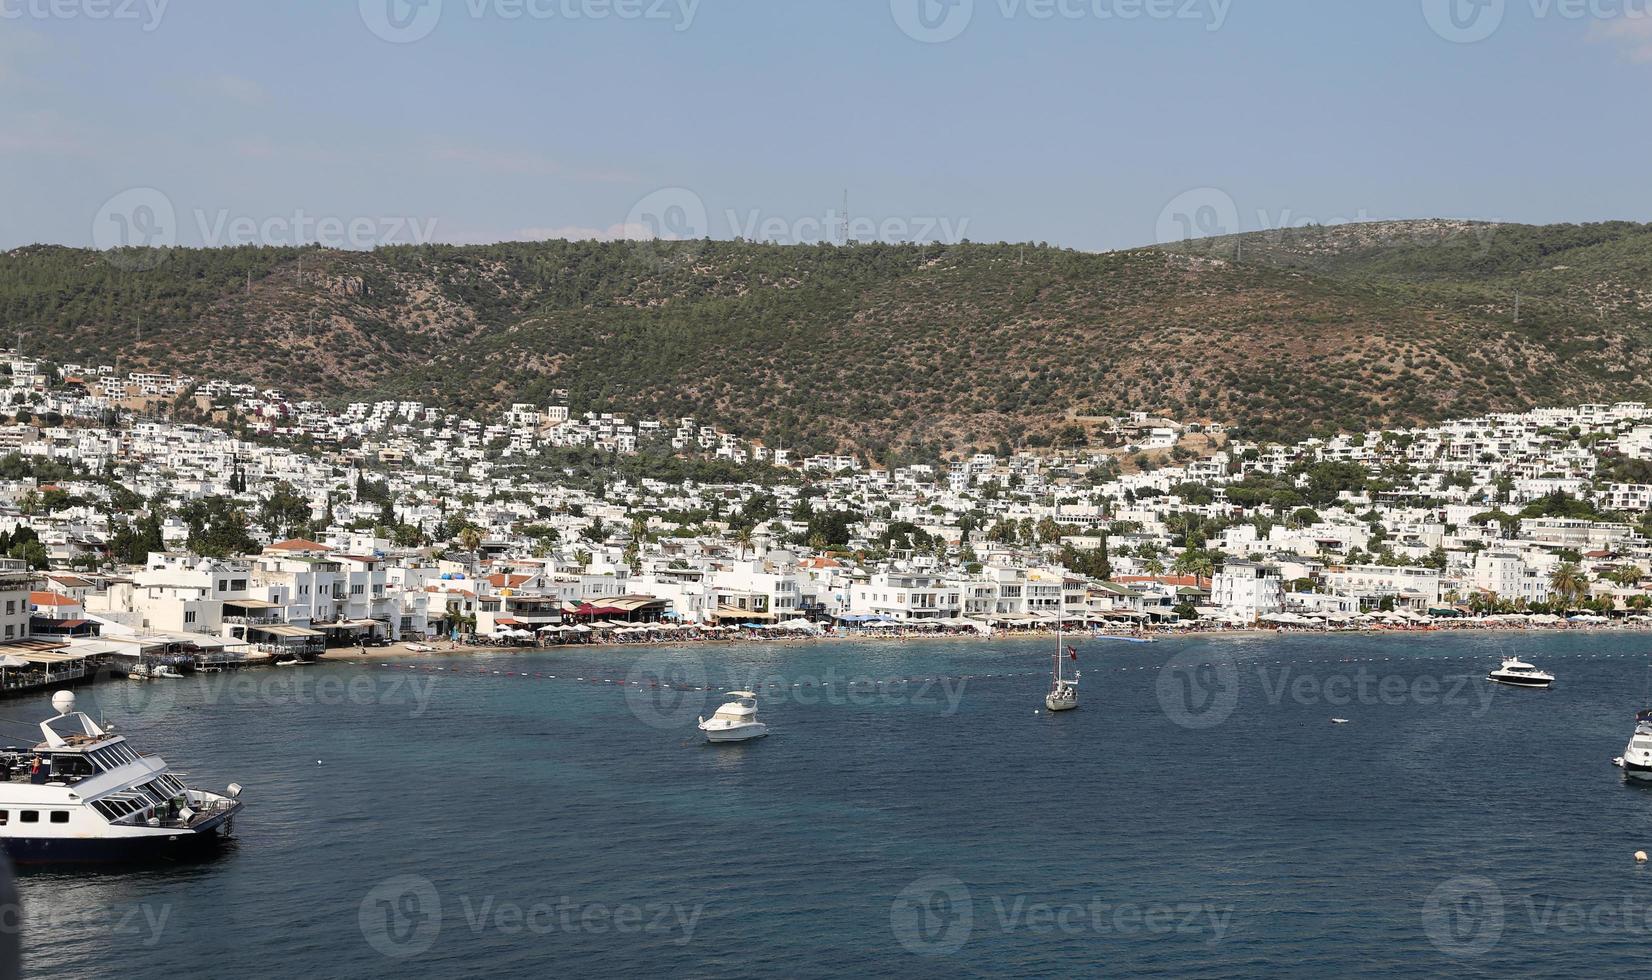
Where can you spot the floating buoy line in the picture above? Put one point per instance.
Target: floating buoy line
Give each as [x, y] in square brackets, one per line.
[467, 670]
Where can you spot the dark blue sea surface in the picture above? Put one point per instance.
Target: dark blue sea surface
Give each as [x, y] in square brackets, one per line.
[1199, 815]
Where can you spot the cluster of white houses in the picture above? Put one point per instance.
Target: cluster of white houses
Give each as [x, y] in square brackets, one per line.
[974, 540]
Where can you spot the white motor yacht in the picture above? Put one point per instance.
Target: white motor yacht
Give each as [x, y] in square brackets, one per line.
[735, 721]
[1517, 673]
[1636, 761]
[84, 795]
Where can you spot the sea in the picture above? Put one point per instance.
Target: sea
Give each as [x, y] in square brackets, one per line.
[914, 812]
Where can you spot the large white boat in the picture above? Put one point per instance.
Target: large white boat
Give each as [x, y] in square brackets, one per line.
[735, 721]
[84, 795]
[1636, 761]
[1517, 673]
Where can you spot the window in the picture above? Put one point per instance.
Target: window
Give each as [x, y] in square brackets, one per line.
[11, 607]
[223, 585]
[60, 816]
[189, 616]
[238, 585]
[11, 631]
[5, 817]
[29, 816]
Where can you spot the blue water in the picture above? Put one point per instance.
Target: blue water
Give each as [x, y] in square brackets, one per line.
[462, 822]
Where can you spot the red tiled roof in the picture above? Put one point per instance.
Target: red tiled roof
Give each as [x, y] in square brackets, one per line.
[51, 599]
[297, 544]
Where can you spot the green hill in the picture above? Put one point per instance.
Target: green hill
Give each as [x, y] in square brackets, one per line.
[931, 348]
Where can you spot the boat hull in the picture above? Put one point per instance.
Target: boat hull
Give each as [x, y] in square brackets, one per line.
[1059, 704]
[1533, 682]
[742, 733]
[112, 850]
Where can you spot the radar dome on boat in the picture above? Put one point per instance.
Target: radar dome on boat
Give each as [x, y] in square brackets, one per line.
[63, 702]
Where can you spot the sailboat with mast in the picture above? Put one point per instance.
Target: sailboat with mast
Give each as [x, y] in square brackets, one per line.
[1063, 694]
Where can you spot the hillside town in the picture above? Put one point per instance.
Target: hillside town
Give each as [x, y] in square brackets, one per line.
[155, 518]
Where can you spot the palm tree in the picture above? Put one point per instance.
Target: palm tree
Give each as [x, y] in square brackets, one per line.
[742, 538]
[470, 537]
[1568, 583]
[1625, 575]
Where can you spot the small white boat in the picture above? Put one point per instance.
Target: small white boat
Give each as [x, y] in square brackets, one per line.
[1339, 721]
[1636, 761]
[1517, 673]
[295, 662]
[165, 670]
[735, 721]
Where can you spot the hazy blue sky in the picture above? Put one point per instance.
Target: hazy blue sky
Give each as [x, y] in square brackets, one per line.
[1090, 123]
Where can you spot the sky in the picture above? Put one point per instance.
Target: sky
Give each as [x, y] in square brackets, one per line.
[1091, 124]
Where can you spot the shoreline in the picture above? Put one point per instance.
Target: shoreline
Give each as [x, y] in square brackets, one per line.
[403, 650]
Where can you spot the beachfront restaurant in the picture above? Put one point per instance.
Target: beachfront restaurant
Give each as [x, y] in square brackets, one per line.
[349, 632]
[27, 665]
[283, 640]
[625, 608]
